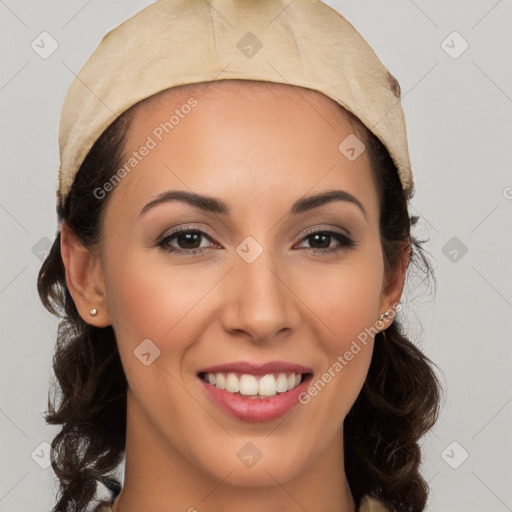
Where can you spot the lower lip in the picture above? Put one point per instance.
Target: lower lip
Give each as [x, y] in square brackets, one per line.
[256, 409]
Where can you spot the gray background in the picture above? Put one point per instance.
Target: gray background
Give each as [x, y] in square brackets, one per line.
[458, 113]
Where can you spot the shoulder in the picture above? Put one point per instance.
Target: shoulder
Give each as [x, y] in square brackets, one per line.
[371, 505]
[367, 505]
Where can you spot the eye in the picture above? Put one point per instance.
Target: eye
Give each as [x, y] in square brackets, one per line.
[187, 240]
[321, 241]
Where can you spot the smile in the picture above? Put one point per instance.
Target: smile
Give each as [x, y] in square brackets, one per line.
[255, 393]
[253, 386]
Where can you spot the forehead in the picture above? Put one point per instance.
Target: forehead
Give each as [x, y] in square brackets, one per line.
[255, 137]
[247, 89]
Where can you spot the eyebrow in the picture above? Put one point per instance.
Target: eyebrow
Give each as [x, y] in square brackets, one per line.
[213, 205]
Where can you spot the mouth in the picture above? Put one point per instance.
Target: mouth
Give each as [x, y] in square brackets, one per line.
[255, 393]
[253, 386]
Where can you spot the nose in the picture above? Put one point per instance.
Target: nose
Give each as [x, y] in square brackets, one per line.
[259, 303]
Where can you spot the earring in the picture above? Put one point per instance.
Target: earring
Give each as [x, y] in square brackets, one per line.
[380, 322]
[93, 312]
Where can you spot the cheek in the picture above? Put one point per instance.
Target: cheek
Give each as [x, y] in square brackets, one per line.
[344, 305]
[149, 300]
[346, 297]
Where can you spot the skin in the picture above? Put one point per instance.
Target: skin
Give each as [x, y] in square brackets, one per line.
[258, 148]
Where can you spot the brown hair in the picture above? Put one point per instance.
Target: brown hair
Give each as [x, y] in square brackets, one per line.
[398, 403]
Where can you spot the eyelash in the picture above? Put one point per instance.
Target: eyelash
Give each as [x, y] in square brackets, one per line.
[163, 243]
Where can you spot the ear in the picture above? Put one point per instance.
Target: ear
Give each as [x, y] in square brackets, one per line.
[84, 278]
[393, 287]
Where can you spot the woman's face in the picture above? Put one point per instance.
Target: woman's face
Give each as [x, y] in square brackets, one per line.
[247, 290]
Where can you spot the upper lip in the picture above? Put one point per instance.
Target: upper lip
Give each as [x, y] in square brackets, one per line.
[257, 369]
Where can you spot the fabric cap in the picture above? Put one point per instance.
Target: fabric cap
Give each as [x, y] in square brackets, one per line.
[176, 42]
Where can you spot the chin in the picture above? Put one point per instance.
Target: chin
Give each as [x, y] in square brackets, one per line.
[252, 467]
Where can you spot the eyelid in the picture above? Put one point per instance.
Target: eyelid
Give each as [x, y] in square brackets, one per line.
[336, 229]
[163, 241]
[189, 227]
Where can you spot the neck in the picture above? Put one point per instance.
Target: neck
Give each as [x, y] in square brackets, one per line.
[158, 477]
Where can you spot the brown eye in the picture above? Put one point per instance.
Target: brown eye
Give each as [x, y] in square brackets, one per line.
[320, 241]
[188, 240]
[185, 241]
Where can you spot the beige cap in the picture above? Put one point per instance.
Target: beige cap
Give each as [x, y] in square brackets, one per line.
[176, 42]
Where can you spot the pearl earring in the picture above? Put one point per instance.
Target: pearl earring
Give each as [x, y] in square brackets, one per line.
[93, 312]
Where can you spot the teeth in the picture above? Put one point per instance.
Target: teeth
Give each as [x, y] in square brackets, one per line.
[250, 385]
[282, 383]
[267, 385]
[232, 383]
[221, 381]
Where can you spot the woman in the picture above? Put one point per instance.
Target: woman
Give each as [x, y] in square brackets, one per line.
[233, 244]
